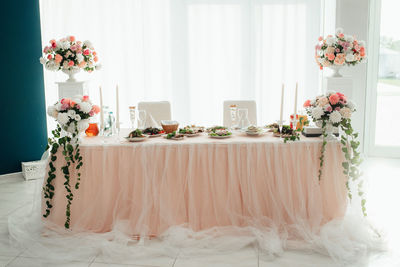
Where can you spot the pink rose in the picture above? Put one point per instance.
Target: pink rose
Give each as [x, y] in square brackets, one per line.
[91, 113]
[73, 47]
[331, 56]
[85, 98]
[64, 106]
[96, 109]
[329, 109]
[72, 38]
[334, 99]
[320, 38]
[341, 35]
[49, 57]
[337, 108]
[65, 101]
[307, 103]
[58, 58]
[78, 107]
[46, 49]
[86, 52]
[71, 63]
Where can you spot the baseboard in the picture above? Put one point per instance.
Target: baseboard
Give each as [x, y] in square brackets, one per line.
[14, 175]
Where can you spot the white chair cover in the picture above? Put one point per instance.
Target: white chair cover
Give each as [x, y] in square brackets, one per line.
[155, 112]
[249, 104]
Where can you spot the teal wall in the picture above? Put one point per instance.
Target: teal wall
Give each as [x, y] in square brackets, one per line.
[23, 131]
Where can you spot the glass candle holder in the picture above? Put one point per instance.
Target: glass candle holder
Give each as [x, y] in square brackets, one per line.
[92, 130]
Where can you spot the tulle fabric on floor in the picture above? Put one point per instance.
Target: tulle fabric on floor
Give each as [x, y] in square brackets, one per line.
[200, 197]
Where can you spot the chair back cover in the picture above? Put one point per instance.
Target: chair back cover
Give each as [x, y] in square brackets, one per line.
[155, 112]
[248, 104]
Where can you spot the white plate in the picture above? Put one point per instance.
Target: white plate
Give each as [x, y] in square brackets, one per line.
[136, 139]
[220, 136]
[191, 135]
[154, 135]
[173, 138]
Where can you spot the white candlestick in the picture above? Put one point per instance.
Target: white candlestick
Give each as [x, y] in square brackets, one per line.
[117, 119]
[282, 95]
[295, 101]
[101, 109]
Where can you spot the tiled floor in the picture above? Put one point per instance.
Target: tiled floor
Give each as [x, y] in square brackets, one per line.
[383, 176]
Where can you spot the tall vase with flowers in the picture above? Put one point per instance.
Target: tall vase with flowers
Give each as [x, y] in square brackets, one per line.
[331, 110]
[70, 56]
[72, 116]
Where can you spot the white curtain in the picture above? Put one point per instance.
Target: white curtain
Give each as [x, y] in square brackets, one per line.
[194, 53]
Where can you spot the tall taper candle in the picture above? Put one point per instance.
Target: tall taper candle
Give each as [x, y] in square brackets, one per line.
[101, 109]
[281, 117]
[295, 101]
[117, 119]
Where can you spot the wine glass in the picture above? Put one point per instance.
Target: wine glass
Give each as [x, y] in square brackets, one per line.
[132, 115]
[233, 112]
[141, 118]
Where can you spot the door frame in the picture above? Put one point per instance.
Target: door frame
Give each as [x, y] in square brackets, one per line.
[372, 81]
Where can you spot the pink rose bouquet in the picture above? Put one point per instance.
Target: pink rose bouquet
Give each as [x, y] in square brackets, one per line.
[70, 55]
[331, 108]
[339, 50]
[73, 114]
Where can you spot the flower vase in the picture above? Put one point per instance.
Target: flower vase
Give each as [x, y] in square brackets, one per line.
[71, 74]
[329, 130]
[336, 70]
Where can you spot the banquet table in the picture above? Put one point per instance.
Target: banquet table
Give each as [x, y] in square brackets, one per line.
[147, 187]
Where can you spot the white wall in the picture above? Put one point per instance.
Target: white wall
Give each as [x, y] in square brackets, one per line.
[353, 17]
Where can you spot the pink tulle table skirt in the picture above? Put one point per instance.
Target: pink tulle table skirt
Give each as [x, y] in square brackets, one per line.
[145, 188]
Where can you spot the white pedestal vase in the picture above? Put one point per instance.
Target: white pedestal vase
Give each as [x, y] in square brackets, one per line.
[71, 74]
[336, 70]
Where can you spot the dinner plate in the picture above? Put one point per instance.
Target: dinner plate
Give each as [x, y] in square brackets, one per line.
[220, 136]
[154, 135]
[173, 138]
[136, 139]
[191, 135]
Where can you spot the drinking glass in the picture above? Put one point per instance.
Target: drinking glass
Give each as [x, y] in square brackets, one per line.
[141, 119]
[132, 115]
[233, 111]
[243, 114]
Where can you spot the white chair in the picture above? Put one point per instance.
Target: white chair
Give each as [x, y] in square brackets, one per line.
[249, 104]
[158, 110]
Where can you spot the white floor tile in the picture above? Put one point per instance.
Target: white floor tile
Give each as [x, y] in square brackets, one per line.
[98, 264]
[4, 260]
[36, 262]
[245, 258]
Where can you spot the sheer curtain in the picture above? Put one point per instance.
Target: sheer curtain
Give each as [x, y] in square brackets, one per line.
[194, 53]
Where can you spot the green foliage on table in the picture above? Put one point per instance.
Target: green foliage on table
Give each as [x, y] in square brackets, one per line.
[71, 154]
[170, 135]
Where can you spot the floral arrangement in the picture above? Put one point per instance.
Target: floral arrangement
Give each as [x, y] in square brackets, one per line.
[72, 116]
[330, 110]
[339, 50]
[68, 54]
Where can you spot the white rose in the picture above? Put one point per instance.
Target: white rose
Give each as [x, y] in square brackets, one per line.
[317, 112]
[52, 112]
[71, 113]
[62, 117]
[349, 57]
[42, 60]
[88, 44]
[85, 107]
[83, 125]
[350, 104]
[77, 117]
[345, 112]
[339, 31]
[52, 65]
[335, 116]
[79, 57]
[349, 38]
[330, 40]
[71, 128]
